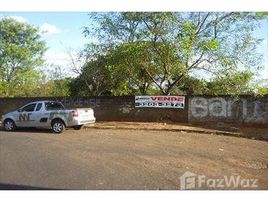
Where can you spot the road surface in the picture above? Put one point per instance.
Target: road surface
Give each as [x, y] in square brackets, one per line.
[125, 159]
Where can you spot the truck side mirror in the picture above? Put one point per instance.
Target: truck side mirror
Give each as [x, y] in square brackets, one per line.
[19, 110]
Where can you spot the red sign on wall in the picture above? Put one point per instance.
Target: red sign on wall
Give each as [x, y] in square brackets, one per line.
[160, 101]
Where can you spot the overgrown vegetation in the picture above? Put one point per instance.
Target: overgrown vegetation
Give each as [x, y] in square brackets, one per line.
[169, 53]
[22, 63]
[140, 54]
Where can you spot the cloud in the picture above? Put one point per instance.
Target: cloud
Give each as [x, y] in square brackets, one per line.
[49, 29]
[57, 58]
[17, 18]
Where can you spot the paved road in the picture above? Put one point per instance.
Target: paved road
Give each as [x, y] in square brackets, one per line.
[124, 159]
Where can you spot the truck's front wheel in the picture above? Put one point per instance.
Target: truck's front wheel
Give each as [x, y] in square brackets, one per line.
[58, 126]
[9, 125]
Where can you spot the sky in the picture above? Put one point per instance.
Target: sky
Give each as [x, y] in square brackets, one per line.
[63, 34]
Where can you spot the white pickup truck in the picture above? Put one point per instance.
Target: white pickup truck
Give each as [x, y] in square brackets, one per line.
[47, 114]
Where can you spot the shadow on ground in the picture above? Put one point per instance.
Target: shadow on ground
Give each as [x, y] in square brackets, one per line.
[5, 186]
[32, 130]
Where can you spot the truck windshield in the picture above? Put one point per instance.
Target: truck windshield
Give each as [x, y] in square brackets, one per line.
[54, 106]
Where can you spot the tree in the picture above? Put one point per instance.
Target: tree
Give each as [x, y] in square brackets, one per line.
[108, 75]
[159, 50]
[126, 64]
[56, 83]
[94, 79]
[192, 86]
[261, 87]
[262, 90]
[231, 83]
[21, 55]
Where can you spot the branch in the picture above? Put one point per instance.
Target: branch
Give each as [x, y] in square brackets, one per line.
[215, 22]
[174, 83]
[198, 61]
[225, 16]
[202, 23]
[75, 68]
[206, 69]
[159, 54]
[153, 79]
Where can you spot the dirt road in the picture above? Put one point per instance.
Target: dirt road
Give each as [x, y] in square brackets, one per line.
[125, 159]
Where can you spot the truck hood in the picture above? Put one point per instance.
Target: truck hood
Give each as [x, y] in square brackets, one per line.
[9, 113]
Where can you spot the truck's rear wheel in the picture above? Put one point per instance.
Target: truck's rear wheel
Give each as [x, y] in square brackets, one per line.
[58, 126]
[9, 125]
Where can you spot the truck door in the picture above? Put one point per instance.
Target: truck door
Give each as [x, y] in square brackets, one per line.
[24, 117]
[39, 116]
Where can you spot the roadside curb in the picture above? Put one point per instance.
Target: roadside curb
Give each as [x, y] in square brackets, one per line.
[213, 132]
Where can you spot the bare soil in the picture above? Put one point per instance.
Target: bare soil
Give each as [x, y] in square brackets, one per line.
[259, 133]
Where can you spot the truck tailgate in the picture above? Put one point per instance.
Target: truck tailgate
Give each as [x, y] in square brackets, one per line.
[85, 114]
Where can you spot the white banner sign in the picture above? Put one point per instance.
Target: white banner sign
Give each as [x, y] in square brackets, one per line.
[160, 101]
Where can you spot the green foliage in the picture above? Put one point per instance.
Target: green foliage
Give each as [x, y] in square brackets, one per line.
[21, 55]
[148, 53]
[56, 83]
[231, 83]
[145, 53]
[94, 79]
[236, 83]
[261, 15]
[191, 86]
[56, 88]
[262, 91]
[261, 87]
